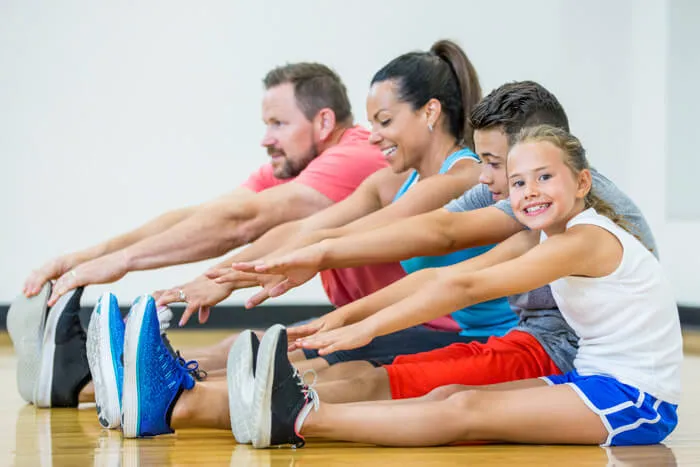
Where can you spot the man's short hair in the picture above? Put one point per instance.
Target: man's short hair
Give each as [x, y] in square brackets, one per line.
[316, 87]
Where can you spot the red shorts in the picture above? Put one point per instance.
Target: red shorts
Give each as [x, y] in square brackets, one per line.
[517, 355]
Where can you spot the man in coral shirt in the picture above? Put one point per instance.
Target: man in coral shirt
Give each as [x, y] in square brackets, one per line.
[318, 157]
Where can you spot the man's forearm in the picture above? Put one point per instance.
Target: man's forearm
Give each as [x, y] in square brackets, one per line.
[153, 227]
[198, 237]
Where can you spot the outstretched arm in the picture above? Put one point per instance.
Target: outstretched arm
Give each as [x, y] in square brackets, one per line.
[202, 293]
[435, 233]
[453, 288]
[60, 265]
[407, 287]
[426, 196]
[388, 235]
[211, 230]
[224, 225]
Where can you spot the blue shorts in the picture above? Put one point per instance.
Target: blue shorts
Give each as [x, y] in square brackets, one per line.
[632, 417]
[384, 349]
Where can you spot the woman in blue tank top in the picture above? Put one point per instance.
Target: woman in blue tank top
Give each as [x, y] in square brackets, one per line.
[417, 107]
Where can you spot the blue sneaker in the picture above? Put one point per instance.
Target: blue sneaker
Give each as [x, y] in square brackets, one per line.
[154, 378]
[105, 348]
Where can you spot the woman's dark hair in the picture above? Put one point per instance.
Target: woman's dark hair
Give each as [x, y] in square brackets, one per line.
[444, 73]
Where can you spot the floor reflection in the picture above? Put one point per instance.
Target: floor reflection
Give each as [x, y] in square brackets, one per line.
[69, 437]
[657, 455]
[65, 437]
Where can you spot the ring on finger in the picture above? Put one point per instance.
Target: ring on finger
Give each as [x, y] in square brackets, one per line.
[183, 297]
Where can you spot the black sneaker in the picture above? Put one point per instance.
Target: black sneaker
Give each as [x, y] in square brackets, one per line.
[64, 369]
[240, 376]
[280, 394]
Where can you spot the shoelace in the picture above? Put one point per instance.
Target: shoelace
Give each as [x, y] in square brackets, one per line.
[308, 390]
[310, 395]
[191, 367]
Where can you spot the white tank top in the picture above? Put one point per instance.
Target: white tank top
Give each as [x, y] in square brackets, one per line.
[627, 322]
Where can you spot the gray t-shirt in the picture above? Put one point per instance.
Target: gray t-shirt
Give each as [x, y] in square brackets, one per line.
[539, 315]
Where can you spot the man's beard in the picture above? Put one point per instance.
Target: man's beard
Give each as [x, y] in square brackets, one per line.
[290, 169]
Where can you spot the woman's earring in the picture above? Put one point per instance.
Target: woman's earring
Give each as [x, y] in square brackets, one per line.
[430, 127]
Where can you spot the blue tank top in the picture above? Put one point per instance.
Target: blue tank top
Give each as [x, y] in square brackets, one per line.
[492, 318]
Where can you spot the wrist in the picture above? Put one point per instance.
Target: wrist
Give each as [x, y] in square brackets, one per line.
[128, 259]
[326, 249]
[324, 256]
[372, 326]
[341, 316]
[83, 256]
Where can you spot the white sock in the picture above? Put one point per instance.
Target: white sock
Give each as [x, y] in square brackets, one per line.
[301, 418]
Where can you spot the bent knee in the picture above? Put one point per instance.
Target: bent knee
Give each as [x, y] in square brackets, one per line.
[374, 383]
[443, 392]
[470, 400]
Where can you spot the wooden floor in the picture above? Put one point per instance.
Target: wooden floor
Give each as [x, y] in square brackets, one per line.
[69, 437]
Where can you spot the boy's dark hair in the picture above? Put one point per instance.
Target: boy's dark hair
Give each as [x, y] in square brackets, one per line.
[518, 105]
[316, 87]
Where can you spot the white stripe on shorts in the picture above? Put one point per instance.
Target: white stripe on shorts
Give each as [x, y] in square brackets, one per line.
[636, 424]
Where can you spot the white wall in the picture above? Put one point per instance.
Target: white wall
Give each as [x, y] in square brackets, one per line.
[110, 114]
[682, 159]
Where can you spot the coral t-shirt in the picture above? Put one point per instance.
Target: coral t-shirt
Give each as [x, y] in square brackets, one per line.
[336, 173]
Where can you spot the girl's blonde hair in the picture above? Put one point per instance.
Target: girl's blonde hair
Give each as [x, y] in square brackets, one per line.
[575, 159]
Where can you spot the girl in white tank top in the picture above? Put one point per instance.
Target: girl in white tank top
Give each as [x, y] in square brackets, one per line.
[610, 289]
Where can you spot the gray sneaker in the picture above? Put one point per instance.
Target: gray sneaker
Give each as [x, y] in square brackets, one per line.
[240, 374]
[25, 323]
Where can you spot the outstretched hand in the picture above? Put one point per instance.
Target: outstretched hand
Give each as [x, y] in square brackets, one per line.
[50, 270]
[327, 322]
[298, 267]
[102, 270]
[272, 285]
[199, 295]
[345, 338]
[234, 279]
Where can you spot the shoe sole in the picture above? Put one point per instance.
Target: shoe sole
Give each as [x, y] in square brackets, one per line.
[130, 399]
[44, 383]
[264, 377]
[25, 323]
[100, 358]
[239, 371]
